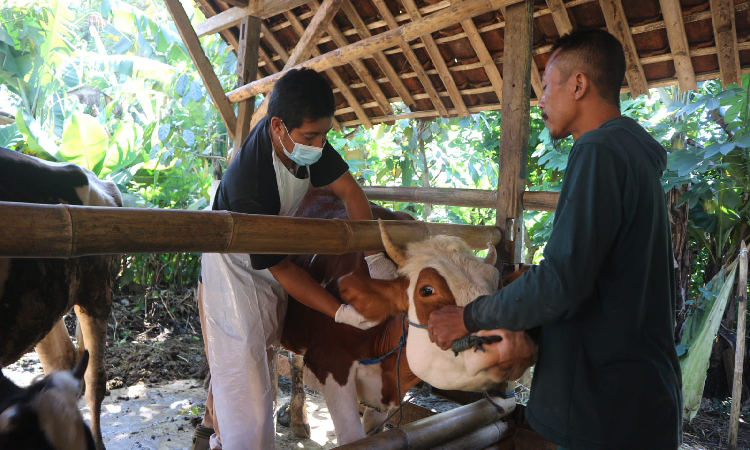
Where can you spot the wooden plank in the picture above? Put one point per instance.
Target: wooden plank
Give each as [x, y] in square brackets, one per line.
[478, 198]
[515, 127]
[305, 45]
[336, 79]
[412, 59]
[725, 34]
[206, 71]
[475, 39]
[380, 58]
[617, 24]
[358, 66]
[438, 61]
[68, 231]
[232, 16]
[454, 13]
[247, 68]
[678, 43]
[274, 43]
[560, 16]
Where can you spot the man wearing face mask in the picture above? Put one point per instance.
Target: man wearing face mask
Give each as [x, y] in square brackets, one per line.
[244, 296]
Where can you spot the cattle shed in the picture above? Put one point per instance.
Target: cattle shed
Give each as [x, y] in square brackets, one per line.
[397, 59]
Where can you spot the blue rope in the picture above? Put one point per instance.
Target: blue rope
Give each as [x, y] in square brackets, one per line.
[398, 347]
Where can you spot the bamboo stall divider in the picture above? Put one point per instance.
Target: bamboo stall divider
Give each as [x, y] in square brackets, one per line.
[34, 230]
[739, 355]
[435, 430]
[532, 200]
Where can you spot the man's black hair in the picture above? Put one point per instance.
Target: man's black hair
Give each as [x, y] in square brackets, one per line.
[301, 94]
[599, 55]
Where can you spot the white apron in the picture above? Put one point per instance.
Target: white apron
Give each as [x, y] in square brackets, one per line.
[244, 312]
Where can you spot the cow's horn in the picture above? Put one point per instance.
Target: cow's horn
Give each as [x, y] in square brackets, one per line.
[491, 257]
[393, 250]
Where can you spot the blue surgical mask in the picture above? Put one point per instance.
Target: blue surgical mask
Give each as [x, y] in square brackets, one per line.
[302, 155]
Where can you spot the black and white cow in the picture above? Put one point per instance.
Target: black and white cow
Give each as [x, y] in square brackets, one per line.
[44, 415]
[36, 293]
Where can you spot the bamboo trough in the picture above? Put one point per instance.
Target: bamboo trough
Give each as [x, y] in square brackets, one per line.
[532, 200]
[469, 426]
[65, 231]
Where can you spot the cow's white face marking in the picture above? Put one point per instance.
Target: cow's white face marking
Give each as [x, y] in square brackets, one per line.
[467, 277]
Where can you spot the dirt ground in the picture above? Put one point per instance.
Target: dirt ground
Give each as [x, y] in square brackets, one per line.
[156, 398]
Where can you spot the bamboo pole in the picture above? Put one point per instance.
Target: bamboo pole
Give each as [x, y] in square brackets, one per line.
[33, 230]
[434, 430]
[739, 355]
[532, 200]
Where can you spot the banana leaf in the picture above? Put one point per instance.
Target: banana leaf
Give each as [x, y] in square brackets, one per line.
[700, 331]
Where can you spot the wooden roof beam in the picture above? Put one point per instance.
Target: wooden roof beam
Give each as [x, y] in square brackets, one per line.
[380, 58]
[678, 43]
[232, 16]
[725, 34]
[358, 66]
[560, 16]
[305, 45]
[455, 13]
[205, 69]
[412, 59]
[488, 63]
[438, 61]
[617, 24]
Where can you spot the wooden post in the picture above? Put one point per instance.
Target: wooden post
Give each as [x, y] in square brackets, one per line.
[739, 355]
[515, 125]
[247, 68]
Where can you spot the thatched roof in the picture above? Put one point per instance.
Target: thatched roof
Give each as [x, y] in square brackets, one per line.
[457, 69]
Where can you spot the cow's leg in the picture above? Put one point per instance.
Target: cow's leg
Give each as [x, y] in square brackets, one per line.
[297, 407]
[55, 349]
[94, 331]
[372, 418]
[344, 408]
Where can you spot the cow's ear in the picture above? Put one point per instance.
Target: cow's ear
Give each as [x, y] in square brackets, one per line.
[374, 299]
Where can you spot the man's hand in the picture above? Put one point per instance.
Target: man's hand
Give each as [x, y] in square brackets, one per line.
[380, 267]
[350, 316]
[446, 325]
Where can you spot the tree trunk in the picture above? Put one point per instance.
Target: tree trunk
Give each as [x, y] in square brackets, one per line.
[678, 214]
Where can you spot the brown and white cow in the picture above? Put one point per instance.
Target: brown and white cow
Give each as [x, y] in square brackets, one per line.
[35, 293]
[438, 271]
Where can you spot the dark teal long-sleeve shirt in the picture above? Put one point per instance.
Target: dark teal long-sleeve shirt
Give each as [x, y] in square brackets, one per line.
[607, 374]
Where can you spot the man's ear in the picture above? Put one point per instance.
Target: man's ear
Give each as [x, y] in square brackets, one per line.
[582, 85]
[374, 299]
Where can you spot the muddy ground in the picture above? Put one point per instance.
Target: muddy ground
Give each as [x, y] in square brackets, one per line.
[156, 395]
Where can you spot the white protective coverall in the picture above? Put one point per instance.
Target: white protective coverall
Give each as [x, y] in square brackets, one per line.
[244, 313]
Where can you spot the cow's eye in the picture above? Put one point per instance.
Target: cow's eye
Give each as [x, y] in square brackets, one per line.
[426, 291]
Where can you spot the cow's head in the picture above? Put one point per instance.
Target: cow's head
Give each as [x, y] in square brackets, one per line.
[436, 272]
[44, 415]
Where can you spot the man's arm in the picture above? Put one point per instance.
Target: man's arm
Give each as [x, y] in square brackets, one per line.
[588, 219]
[300, 285]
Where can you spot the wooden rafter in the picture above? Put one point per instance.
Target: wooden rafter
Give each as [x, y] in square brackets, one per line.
[484, 56]
[412, 59]
[305, 45]
[617, 24]
[438, 61]
[232, 16]
[456, 12]
[678, 43]
[205, 69]
[334, 76]
[274, 43]
[560, 16]
[247, 68]
[725, 34]
[380, 58]
[358, 66]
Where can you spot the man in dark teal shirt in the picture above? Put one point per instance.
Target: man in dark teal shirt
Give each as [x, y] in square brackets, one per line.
[607, 374]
